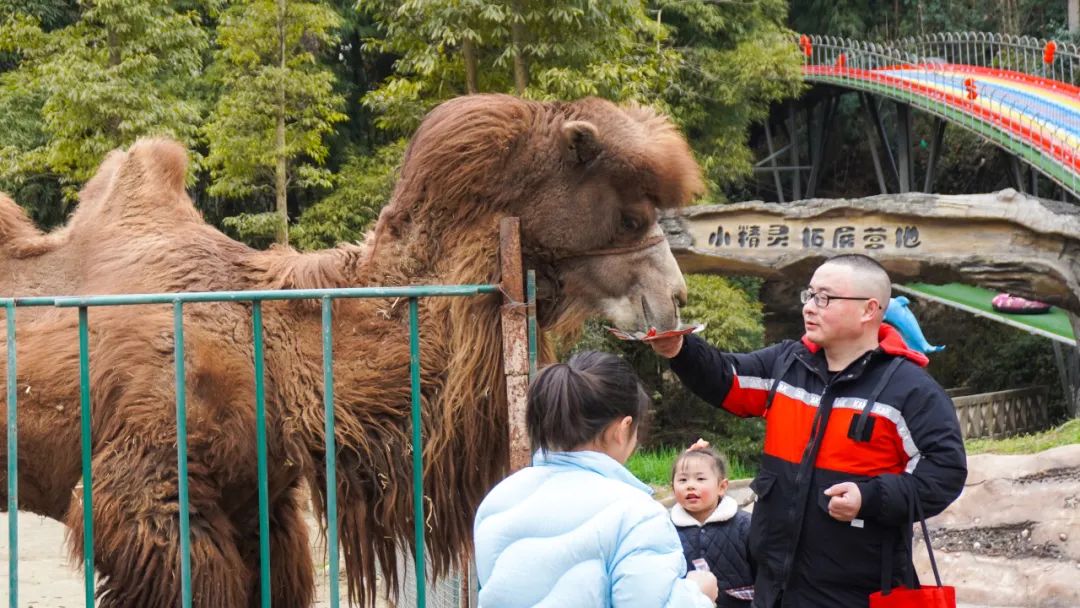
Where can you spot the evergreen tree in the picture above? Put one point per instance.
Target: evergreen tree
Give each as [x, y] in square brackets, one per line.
[277, 105]
[737, 60]
[535, 48]
[121, 70]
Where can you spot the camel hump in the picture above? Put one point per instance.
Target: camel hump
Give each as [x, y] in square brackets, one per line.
[19, 238]
[164, 161]
[14, 224]
[143, 186]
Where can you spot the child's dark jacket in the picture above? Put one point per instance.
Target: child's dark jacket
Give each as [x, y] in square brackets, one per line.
[722, 541]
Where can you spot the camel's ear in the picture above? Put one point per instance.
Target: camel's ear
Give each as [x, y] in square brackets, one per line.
[581, 142]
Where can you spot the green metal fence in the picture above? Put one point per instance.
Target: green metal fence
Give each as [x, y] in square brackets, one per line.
[256, 298]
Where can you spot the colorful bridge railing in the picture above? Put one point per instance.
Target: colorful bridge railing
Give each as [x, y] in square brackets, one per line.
[1017, 92]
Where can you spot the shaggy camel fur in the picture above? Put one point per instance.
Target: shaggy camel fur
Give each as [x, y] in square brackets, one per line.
[586, 178]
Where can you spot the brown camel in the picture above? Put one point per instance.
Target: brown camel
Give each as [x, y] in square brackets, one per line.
[586, 178]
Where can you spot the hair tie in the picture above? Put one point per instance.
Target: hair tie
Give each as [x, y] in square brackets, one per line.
[700, 444]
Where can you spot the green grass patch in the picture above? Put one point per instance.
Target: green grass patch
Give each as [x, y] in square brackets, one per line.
[654, 466]
[1065, 434]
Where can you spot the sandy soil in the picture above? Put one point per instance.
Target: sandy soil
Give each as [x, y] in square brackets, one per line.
[48, 580]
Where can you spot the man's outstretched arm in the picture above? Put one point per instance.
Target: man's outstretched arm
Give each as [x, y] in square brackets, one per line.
[739, 383]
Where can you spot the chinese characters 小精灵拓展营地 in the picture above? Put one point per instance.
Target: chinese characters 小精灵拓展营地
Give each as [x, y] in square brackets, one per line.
[778, 236]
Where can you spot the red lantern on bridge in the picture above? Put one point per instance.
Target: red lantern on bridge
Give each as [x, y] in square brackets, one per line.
[804, 43]
[1048, 52]
[969, 86]
[841, 61]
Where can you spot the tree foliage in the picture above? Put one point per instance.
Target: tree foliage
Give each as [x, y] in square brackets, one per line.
[736, 59]
[123, 69]
[364, 186]
[891, 19]
[535, 48]
[278, 102]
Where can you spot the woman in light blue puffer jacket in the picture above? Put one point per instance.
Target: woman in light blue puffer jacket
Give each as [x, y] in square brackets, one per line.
[577, 529]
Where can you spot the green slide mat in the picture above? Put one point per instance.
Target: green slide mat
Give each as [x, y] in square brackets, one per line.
[976, 300]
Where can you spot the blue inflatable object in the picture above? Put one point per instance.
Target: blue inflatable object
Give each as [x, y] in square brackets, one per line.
[898, 315]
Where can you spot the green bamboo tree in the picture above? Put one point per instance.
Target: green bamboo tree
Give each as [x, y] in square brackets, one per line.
[277, 103]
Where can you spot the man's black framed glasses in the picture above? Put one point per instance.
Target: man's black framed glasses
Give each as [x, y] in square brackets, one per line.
[821, 300]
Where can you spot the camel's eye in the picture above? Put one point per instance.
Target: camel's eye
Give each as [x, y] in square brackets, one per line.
[631, 223]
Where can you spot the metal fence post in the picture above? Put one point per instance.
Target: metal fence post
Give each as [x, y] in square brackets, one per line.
[181, 454]
[87, 455]
[331, 451]
[13, 460]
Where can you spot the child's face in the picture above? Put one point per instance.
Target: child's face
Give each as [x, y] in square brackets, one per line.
[698, 486]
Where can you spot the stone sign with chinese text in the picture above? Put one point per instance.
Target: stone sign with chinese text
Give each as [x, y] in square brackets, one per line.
[1002, 240]
[814, 236]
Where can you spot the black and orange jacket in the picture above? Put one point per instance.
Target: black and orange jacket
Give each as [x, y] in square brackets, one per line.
[813, 439]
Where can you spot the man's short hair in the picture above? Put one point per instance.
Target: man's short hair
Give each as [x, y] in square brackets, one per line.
[869, 269]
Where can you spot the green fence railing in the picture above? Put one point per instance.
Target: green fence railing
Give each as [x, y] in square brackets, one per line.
[256, 298]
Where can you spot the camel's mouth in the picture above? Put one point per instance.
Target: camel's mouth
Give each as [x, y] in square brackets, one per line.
[622, 314]
[645, 312]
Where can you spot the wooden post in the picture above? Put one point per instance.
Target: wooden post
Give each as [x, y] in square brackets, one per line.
[515, 340]
[515, 367]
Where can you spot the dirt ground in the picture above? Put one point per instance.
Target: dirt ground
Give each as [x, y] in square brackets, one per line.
[1010, 541]
[47, 580]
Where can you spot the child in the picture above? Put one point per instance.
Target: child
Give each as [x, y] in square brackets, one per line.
[577, 529]
[713, 530]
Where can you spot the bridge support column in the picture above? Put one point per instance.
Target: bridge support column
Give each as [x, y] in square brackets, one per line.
[796, 174]
[820, 144]
[903, 145]
[935, 153]
[772, 162]
[1072, 371]
[875, 122]
[1017, 173]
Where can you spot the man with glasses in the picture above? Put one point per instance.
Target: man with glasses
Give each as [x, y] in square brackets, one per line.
[855, 430]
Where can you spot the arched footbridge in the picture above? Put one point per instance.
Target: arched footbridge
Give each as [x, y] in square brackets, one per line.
[1019, 93]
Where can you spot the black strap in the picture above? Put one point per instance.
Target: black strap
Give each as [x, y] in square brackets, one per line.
[780, 368]
[926, 539]
[906, 534]
[805, 472]
[860, 426]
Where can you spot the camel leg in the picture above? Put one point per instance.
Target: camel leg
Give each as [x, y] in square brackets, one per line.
[137, 535]
[292, 574]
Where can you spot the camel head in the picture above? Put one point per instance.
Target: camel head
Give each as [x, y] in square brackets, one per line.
[587, 178]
